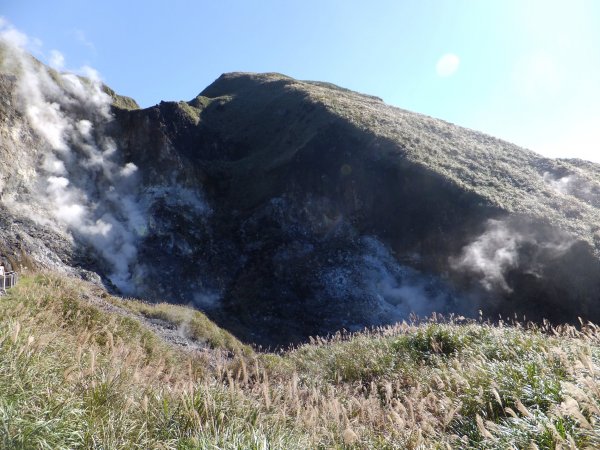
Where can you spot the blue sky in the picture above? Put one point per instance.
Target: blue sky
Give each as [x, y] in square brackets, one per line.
[525, 71]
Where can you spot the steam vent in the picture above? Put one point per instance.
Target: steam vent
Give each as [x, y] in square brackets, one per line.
[285, 209]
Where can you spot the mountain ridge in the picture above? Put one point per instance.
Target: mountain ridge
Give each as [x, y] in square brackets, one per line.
[285, 208]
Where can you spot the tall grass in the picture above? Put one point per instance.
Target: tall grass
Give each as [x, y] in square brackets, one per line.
[75, 376]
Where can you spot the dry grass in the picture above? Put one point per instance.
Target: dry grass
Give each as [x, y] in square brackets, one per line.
[72, 376]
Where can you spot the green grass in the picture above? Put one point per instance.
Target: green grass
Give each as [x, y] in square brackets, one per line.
[192, 323]
[120, 101]
[500, 173]
[192, 112]
[75, 376]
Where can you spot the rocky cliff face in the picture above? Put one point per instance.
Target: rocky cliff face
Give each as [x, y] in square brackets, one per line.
[286, 208]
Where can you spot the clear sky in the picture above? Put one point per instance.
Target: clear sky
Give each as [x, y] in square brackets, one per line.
[523, 70]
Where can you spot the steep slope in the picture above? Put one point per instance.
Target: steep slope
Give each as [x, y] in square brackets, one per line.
[286, 209]
[338, 210]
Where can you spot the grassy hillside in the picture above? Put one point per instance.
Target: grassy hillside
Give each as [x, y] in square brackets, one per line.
[501, 175]
[75, 372]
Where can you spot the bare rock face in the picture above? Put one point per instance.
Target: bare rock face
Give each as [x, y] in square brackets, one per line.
[285, 208]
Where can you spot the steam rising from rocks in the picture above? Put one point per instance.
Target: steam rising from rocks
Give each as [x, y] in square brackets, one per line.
[393, 290]
[500, 248]
[574, 184]
[299, 255]
[562, 185]
[491, 255]
[85, 187]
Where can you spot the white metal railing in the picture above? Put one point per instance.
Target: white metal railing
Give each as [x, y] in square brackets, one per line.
[8, 279]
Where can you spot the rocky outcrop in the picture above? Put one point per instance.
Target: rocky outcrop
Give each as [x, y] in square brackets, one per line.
[286, 209]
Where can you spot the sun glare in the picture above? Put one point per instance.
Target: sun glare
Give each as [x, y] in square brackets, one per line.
[447, 65]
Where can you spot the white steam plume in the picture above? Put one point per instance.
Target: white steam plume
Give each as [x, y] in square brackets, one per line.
[562, 185]
[57, 60]
[396, 291]
[491, 255]
[85, 188]
[497, 250]
[574, 184]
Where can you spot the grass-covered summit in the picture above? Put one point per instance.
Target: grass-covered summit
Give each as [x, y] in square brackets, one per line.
[284, 209]
[78, 371]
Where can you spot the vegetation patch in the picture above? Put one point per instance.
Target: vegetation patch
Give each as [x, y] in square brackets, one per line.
[190, 322]
[74, 375]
